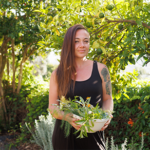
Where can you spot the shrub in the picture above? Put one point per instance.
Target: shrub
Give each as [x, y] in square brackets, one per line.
[132, 115]
[43, 131]
[36, 105]
[15, 106]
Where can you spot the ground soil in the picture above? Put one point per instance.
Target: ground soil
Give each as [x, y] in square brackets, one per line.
[6, 142]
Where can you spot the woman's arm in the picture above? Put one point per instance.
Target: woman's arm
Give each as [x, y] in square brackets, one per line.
[54, 110]
[53, 97]
[107, 90]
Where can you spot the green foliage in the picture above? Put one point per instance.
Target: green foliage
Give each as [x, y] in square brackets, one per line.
[120, 81]
[16, 103]
[124, 146]
[36, 105]
[20, 31]
[16, 106]
[50, 69]
[82, 110]
[102, 21]
[132, 115]
[31, 102]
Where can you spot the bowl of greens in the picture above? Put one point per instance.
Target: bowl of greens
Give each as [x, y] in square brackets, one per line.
[92, 118]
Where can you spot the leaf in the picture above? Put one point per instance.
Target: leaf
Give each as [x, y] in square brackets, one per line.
[103, 49]
[141, 55]
[132, 61]
[57, 32]
[135, 51]
[82, 100]
[41, 4]
[103, 42]
[131, 28]
[95, 45]
[146, 62]
[92, 123]
[139, 22]
[127, 39]
[93, 21]
[126, 95]
[37, 11]
[141, 45]
[80, 122]
[137, 7]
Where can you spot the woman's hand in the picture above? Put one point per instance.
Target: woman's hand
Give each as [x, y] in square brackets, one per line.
[72, 121]
[74, 124]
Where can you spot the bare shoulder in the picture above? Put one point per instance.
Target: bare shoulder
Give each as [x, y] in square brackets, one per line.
[53, 75]
[103, 71]
[101, 67]
[54, 72]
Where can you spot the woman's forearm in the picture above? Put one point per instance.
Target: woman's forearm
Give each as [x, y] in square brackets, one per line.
[58, 114]
[108, 104]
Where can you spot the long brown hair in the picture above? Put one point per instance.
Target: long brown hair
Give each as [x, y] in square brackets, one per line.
[66, 69]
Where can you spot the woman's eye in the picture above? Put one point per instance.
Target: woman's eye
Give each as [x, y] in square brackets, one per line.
[76, 41]
[86, 41]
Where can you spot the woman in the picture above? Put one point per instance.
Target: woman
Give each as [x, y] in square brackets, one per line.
[78, 76]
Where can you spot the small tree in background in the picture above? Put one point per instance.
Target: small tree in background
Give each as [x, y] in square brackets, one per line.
[20, 32]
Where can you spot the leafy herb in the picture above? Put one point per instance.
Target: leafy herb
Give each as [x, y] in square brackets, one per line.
[83, 110]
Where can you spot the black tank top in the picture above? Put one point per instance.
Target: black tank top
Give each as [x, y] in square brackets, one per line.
[91, 87]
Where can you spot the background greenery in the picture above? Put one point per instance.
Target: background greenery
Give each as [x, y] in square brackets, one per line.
[119, 30]
[133, 104]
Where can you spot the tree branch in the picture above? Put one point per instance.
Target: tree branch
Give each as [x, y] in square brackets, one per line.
[129, 21]
[97, 30]
[116, 35]
[21, 67]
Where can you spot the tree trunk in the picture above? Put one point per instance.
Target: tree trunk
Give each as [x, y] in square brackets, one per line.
[8, 69]
[3, 60]
[2, 104]
[21, 67]
[13, 66]
[20, 78]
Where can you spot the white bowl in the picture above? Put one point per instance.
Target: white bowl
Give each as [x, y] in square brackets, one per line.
[98, 123]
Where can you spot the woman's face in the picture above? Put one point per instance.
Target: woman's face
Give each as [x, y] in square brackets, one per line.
[82, 43]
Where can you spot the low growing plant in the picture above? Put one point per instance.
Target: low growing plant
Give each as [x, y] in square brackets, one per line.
[124, 146]
[43, 131]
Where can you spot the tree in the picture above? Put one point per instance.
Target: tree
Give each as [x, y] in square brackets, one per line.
[118, 29]
[20, 33]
